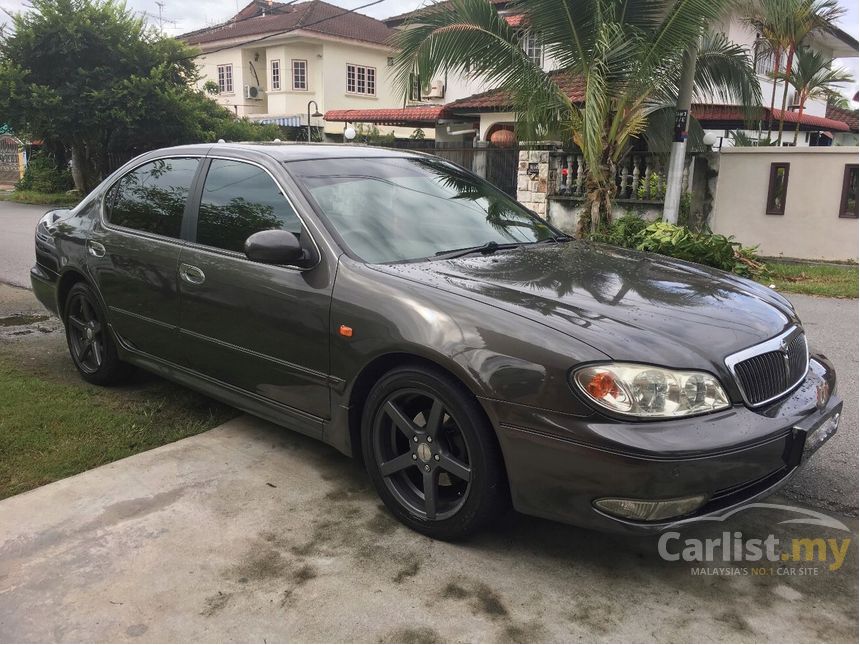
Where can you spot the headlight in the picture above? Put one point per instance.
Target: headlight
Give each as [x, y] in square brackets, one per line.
[647, 391]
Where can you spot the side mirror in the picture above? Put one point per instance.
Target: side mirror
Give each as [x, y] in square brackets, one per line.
[274, 247]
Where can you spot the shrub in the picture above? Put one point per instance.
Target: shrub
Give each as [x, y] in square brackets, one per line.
[43, 176]
[679, 242]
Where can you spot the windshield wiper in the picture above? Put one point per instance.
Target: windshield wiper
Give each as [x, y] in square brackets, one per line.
[485, 249]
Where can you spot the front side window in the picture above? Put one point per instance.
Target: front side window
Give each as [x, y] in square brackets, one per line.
[238, 200]
[400, 209]
[533, 48]
[848, 203]
[777, 189]
[225, 79]
[276, 75]
[152, 197]
[360, 79]
[300, 75]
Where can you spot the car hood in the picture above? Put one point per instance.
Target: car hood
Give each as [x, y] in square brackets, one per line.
[631, 306]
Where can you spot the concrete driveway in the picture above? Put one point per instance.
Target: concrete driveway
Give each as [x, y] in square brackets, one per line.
[253, 533]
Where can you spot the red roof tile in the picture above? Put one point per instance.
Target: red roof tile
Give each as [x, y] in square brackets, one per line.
[427, 115]
[315, 16]
[847, 116]
[733, 113]
[399, 19]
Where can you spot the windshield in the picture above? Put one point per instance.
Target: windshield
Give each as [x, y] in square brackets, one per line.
[399, 209]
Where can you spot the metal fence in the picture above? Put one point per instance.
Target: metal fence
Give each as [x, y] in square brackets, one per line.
[497, 165]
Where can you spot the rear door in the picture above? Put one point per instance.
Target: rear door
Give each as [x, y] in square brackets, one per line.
[133, 253]
[257, 327]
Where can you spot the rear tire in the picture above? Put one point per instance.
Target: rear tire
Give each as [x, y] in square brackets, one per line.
[90, 342]
[432, 454]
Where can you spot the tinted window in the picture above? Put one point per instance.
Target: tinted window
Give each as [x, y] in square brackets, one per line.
[238, 200]
[389, 210]
[152, 197]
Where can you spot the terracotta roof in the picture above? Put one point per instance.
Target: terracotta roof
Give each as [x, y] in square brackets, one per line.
[316, 16]
[735, 114]
[847, 116]
[515, 20]
[399, 19]
[499, 100]
[427, 115]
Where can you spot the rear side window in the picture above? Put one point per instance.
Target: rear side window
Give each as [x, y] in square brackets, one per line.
[238, 200]
[152, 197]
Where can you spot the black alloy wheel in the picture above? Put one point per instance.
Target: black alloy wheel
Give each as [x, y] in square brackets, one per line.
[90, 344]
[431, 454]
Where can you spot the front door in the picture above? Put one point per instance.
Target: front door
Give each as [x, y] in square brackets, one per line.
[133, 256]
[257, 327]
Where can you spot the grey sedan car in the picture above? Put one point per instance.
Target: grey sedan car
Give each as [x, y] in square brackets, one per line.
[410, 314]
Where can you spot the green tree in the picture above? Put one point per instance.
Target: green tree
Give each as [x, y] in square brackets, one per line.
[624, 55]
[783, 25]
[88, 76]
[814, 78]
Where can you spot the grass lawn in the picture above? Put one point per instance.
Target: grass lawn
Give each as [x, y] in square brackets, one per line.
[52, 426]
[831, 280]
[44, 199]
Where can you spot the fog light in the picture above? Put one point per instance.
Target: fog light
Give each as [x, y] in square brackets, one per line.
[649, 510]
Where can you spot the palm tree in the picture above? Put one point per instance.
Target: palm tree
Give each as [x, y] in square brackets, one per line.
[783, 25]
[624, 55]
[813, 78]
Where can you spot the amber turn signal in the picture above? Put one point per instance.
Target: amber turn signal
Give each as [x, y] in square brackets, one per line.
[346, 331]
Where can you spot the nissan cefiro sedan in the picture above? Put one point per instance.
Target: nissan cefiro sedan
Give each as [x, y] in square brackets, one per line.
[408, 313]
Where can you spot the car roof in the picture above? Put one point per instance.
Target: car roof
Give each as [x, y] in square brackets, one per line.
[286, 151]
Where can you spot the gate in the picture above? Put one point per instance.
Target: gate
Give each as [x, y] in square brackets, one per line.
[9, 168]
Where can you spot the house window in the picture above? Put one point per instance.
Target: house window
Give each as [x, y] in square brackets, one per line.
[848, 205]
[225, 79]
[533, 48]
[765, 59]
[300, 75]
[360, 79]
[777, 189]
[414, 87]
[276, 75]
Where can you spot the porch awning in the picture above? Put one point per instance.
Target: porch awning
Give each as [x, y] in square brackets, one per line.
[294, 121]
[425, 115]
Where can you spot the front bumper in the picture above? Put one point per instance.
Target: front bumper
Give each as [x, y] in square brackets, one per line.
[558, 467]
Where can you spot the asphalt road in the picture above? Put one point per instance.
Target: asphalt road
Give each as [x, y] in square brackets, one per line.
[17, 255]
[830, 479]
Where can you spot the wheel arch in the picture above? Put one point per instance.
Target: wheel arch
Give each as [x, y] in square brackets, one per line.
[67, 280]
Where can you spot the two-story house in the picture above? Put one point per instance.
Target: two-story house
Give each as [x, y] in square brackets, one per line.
[271, 60]
[465, 108]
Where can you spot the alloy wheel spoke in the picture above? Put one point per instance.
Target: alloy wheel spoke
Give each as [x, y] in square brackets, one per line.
[86, 310]
[97, 352]
[85, 351]
[434, 418]
[406, 426]
[396, 465]
[455, 467]
[430, 481]
[77, 323]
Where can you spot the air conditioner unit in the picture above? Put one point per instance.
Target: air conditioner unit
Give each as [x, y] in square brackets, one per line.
[436, 90]
[253, 92]
[794, 104]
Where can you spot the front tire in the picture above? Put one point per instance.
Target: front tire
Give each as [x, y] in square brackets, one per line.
[431, 454]
[91, 345]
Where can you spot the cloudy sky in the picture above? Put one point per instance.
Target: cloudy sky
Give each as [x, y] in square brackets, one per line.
[193, 14]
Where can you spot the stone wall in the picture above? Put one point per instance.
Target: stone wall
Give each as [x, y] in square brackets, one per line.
[532, 186]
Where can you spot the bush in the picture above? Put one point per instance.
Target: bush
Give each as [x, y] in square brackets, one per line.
[43, 176]
[679, 242]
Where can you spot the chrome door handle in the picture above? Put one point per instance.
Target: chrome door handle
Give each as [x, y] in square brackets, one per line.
[191, 274]
[96, 249]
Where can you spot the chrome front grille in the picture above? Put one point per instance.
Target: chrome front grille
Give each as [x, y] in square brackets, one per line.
[769, 370]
